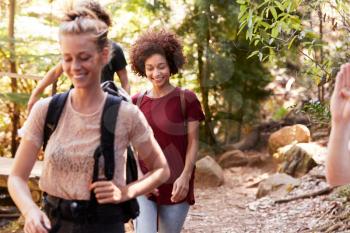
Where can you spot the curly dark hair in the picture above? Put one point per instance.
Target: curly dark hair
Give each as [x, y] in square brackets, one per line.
[156, 42]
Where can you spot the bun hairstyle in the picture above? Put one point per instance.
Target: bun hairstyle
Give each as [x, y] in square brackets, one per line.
[85, 21]
[96, 7]
[156, 42]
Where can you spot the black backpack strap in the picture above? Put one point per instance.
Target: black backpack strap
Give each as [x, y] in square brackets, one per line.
[106, 147]
[131, 166]
[108, 124]
[54, 112]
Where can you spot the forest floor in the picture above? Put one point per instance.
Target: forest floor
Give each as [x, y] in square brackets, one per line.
[233, 207]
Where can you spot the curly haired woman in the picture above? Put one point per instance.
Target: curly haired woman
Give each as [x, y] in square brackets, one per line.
[174, 115]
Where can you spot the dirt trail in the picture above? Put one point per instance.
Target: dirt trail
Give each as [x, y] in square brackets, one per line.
[223, 209]
[233, 208]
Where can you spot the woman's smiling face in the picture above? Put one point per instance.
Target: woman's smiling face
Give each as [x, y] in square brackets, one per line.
[157, 70]
[81, 60]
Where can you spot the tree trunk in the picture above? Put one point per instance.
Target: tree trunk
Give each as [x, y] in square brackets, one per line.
[202, 77]
[320, 87]
[15, 111]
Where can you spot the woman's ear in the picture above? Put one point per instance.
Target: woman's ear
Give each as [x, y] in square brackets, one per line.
[105, 55]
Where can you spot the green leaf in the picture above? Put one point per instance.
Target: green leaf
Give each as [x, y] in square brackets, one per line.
[260, 56]
[291, 41]
[249, 33]
[273, 12]
[279, 5]
[253, 54]
[250, 18]
[267, 13]
[242, 11]
[265, 58]
[274, 32]
[241, 27]
[264, 24]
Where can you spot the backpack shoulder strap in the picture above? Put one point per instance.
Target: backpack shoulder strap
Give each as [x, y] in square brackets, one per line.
[108, 124]
[140, 97]
[54, 112]
[183, 103]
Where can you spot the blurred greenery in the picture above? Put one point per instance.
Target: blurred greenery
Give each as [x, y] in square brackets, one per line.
[231, 48]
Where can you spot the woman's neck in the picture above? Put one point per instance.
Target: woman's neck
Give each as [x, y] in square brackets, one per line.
[87, 101]
[160, 92]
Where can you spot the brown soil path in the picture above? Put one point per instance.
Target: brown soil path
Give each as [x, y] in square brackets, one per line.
[233, 208]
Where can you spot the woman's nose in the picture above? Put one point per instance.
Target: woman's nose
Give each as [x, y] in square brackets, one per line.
[76, 65]
[157, 72]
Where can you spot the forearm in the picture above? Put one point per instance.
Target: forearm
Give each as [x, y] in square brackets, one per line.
[124, 80]
[51, 77]
[191, 156]
[148, 182]
[20, 194]
[338, 157]
[126, 86]
[153, 157]
[192, 148]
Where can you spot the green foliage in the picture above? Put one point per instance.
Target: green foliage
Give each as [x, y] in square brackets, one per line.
[318, 112]
[279, 29]
[235, 84]
[280, 113]
[18, 98]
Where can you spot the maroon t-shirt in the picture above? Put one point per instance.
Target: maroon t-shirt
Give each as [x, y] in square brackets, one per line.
[165, 116]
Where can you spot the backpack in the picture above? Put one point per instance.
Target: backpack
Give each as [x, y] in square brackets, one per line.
[106, 148]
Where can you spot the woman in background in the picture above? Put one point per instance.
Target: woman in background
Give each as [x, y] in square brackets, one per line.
[174, 115]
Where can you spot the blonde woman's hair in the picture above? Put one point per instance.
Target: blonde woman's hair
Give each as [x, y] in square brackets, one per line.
[84, 21]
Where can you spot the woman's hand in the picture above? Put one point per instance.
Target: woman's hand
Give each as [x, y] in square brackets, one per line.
[340, 101]
[108, 192]
[36, 221]
[154, 192]
[32, 100]
[180, 188]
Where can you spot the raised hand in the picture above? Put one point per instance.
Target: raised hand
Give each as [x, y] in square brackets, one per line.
[340, 101]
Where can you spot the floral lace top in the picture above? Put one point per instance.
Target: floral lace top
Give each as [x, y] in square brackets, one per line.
[68, 160]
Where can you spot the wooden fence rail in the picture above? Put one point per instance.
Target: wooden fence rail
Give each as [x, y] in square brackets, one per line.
[18, 76]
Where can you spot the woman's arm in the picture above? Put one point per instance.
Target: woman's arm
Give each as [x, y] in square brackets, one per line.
[51, 76]
[124, 80]
[150, 152]
[181, 185]
[338, 158]
[35, 219]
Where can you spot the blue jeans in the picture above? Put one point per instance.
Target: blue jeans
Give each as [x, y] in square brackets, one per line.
[170, 217]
